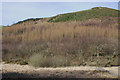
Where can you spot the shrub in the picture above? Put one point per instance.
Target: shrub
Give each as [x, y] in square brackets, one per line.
[39, 60]
[59, 61]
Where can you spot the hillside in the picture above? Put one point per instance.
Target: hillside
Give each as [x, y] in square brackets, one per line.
[96, 12]
[43, 43]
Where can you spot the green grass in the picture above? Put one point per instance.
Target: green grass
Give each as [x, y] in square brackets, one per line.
[4, 26]
[97, 12]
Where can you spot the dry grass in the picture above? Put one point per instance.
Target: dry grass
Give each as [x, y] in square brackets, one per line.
[68, 39]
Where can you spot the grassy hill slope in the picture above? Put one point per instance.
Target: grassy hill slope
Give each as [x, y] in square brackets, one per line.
[71, 43]
[97, 12]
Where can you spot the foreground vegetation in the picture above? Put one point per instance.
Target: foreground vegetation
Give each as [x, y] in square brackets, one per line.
[72, 43]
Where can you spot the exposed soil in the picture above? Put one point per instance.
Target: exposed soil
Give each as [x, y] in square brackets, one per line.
[26, 71]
